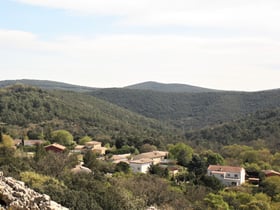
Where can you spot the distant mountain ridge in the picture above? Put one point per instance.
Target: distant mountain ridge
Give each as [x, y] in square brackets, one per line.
[47, 84]
[154, 86]
[169, 88]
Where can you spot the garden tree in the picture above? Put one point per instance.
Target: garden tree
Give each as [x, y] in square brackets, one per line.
[157, 170]
[147, 148]
[271, 186]
[213, 158]
[40, 152]
[198, 167]
[212, 182]
[181, 152]
[84, 140]
[7, 141]
[62, 137]
[215, 202]
[90, 160]
[122, 167]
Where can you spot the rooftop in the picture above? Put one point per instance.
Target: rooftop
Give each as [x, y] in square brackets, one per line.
[142, 161]
[151, 155]
[219, 168]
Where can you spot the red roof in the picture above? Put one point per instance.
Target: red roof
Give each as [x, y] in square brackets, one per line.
[231, 169]
[58, 146]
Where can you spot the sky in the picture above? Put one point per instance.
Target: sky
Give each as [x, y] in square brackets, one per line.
[228, 45]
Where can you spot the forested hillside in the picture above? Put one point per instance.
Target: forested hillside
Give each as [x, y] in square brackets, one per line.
[191, 110]
[42, 111]
[261, 129]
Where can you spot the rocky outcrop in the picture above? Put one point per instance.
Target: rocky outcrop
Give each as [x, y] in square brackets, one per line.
[15, 195]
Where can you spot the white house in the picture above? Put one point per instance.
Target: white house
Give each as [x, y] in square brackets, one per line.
[228, 175]
[141, 165]
[155, 156]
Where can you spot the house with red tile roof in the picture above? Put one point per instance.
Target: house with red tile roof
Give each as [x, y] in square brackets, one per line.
[55, 148]
[228, 175]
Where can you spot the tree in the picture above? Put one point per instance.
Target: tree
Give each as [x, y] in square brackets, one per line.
[271, 186]
[213, 158]
[122, 167]
[157, 170]
[147, 148]
[7, 141]
[181, 152]
[62, 137]
[216, 202]
[85, 139]
[90, 160]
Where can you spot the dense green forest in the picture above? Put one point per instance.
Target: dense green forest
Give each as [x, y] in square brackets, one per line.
[37, 112]
[191, 110]
[261, 128]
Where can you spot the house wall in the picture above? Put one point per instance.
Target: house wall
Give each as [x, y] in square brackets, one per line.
[229, 178]
[140, 168]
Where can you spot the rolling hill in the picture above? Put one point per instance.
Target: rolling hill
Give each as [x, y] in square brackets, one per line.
[30, 108]
[46, 84]
[261, 129]
[169, 88]
[191, 110]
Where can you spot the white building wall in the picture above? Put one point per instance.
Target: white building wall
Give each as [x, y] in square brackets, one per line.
[140, 168]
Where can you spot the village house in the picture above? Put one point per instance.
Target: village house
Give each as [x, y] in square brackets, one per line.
[228, 175]
[93, 146]
[269, 173]
[141, 165]
[31, 142]
[55, 148]
[120, 158]
[155, 156]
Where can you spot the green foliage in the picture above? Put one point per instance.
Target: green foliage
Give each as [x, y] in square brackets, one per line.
[41, 182]
[7, 141]
[62, 137]
[122, 167]
[181, 152]
[40, 112]
[192, 110]
[84, 140]
[215, 202]
[159, 171]
[271, 186]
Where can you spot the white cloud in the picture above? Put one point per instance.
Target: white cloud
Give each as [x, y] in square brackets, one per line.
[116, 60]
[232, 14]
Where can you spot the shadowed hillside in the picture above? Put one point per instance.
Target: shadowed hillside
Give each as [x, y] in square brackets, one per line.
[191, 110]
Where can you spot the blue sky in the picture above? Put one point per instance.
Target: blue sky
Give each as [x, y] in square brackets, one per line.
[231, 45]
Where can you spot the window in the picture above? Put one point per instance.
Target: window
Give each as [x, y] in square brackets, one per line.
[235, 175]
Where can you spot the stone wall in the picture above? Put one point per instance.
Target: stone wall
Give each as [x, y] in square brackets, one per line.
[16, 196]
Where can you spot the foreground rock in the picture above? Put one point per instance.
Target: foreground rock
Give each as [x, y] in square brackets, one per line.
[15, 195]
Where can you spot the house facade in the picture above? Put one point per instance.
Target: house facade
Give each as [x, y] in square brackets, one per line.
[228, 175]
[141, 165]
